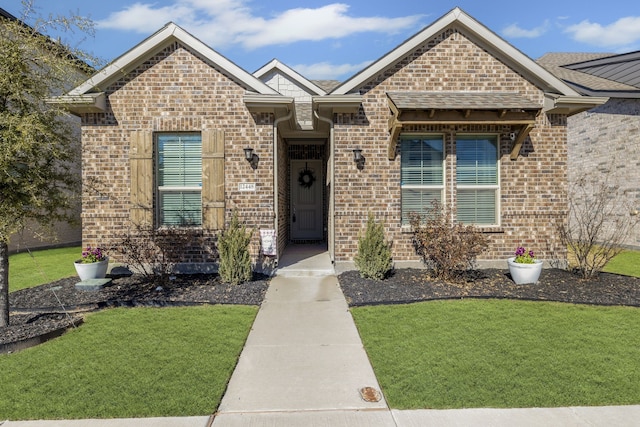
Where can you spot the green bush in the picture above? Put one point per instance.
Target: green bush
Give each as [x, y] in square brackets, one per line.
[235, 259]
[373, 259]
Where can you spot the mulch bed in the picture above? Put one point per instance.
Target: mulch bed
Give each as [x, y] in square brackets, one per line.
[37, 311]
[413, 285]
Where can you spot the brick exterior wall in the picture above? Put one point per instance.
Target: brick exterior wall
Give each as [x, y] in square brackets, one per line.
[532, 187]
[604, 143]
[175, 90]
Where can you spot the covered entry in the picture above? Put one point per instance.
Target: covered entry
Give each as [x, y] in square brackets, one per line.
[307, 192]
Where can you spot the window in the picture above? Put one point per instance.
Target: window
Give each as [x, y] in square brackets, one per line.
[179, 179]
[422, 173]
[477, 179]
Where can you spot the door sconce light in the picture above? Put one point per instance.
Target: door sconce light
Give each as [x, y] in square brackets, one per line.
[358, 158]
[251, 157]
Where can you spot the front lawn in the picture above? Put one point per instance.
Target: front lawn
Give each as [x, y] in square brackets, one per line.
[627, 262]
[140, 362]
[501, 353]
[42, 266]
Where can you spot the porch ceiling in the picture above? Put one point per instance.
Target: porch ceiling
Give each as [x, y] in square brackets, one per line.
[415, 108]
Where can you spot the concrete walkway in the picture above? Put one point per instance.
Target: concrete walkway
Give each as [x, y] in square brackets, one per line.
[304, 365]
[303, 359]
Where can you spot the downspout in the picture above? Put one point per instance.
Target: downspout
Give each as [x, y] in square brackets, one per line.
[333, 182]
[276, 201]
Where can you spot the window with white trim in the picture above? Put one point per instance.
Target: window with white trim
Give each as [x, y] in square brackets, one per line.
[477, 179]
[179, 179]
[421, 172]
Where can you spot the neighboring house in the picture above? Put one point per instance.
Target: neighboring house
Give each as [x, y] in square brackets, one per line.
[33, 236]
[454, 113]
[604, 142]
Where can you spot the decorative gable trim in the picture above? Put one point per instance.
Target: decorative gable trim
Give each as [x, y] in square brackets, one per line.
[293, 75]
[480, 35]
[165, 36]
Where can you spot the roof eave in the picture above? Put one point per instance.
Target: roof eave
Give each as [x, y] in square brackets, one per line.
[349, 103]
[570, 105]
[81, 104]
[278, 105]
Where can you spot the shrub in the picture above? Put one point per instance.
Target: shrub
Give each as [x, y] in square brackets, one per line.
[154, 252]
[599, 221]
[235, 259]
[373, 259]
[448, 248]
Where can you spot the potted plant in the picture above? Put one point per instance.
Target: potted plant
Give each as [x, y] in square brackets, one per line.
[93, 264]
[524, 267]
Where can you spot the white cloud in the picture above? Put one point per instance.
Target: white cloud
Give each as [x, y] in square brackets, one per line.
[327, 71]
[515, 31]
[227, 22]
[624, 31]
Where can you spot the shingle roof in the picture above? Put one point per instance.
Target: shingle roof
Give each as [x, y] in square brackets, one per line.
[556, 63]
[327, 85]
[461, 100]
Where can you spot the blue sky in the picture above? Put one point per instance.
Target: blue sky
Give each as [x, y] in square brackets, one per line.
[322, 39]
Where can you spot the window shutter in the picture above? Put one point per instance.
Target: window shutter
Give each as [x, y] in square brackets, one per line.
[141, 165]
[213, 179]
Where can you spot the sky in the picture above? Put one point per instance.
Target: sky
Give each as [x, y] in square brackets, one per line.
[322, 39]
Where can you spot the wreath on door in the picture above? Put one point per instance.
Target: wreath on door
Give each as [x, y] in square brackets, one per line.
[306, 177]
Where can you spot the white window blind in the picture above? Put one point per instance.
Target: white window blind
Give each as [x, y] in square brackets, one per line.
[179, 177]
[421, 174]
[477, 179]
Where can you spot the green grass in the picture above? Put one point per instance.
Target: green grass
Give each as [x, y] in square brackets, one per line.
[499, 353]
[627, 263]
[45, 266]
[140, 362]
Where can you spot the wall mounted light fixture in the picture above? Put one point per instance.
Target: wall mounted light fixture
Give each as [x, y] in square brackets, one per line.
[358, 158]
[251, 157]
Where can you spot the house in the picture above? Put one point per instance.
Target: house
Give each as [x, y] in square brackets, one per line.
[178, 135]
[604, 142]
[33, 236]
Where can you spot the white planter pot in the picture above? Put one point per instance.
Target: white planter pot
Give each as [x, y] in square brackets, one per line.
[524, 273]
[93, 270]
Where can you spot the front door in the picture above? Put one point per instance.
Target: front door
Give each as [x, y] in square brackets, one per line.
[306, 200]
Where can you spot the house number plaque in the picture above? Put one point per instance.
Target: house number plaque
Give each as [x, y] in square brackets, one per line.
[247, 186]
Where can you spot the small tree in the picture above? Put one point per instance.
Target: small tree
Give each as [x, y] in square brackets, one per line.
[235, 258]
[599, 221]
[38, 149]
[373, 259]
[448, 247]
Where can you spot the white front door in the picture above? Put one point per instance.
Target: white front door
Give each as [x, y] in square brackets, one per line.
[306, 200]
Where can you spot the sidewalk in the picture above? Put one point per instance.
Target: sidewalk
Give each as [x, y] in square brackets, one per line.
[304, 365]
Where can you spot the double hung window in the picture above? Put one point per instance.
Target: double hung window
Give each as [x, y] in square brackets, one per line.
[422, 173]
[477, 179]
[179, 179]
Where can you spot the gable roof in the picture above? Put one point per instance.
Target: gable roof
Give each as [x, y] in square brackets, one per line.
[275, 65]
[607, 74]
[166, 35]
[480, 35]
